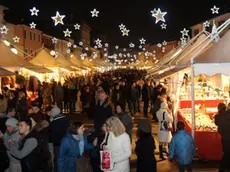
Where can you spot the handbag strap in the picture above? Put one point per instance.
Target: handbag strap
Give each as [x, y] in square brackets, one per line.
[163, 115]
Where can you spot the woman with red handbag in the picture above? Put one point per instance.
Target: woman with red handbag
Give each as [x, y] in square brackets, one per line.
[115, 155]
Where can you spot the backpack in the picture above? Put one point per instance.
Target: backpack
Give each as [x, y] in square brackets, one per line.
[164, 124]
[42, 149]
[4, 159]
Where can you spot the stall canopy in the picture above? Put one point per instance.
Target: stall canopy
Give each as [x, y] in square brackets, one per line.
[182, 56]
[4, 72]
[43, 58]
[64, 62]
[9, 59]
[216, 59]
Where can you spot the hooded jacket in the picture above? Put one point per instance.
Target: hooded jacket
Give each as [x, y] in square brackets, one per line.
[14, 136]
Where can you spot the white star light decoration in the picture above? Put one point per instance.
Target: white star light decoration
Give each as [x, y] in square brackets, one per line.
[183, 40]
[98, 41]
[67, 32]
[106, 45]
[81, 43]
[54, 40]
[159, 15]
[68, 51]
[159, 45]
[32, 25]
[69, 44]
[164, 43]
[34, 11]
[74, 46]
[16, 39]
[140, 46]
[58, 19]
[124, 49]
[142, 41]
[163, 26]
[154, 12]
[125, 32]
[99, 45]
[206, 24]
[131, 45]
[184, 32]
[77, 26]
[215, 10]
[86, 49]
[117, 47]
[122, 27]
[4, 30]
[95, 47]
[94, 13]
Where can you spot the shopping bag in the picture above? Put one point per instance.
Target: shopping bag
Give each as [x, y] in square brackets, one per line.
[106, 160]
[84, 165]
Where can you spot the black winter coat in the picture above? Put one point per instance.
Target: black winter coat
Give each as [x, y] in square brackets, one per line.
[101, 114]
[145, 93]
[146, 161]
[223, 122]
[58, 128]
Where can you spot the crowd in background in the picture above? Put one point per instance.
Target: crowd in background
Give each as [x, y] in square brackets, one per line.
[38, 136]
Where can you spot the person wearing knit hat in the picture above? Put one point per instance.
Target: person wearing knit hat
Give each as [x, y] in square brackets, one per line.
[145, 126]
[145, 147]
[58, 128]
[12, 122]
[55, 111]
[12, 135]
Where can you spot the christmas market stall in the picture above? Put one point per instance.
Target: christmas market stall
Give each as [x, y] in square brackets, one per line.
[199, 80]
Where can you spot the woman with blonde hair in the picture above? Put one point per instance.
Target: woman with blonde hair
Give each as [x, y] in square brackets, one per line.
[118, 143]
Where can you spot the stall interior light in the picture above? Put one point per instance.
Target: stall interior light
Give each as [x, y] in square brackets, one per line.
[14, 50]
[6, 43]
[52, 53]
[71, 56]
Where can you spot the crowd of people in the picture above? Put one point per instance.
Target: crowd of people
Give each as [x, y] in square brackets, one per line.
[38, 136]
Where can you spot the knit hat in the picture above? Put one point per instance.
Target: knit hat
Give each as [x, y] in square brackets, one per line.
[12, 122]
[144, 125]
[164, 105]
[55, 111]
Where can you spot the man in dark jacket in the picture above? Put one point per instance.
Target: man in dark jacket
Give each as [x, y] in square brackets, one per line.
[102, 112]
[223, 124]
[58, 128]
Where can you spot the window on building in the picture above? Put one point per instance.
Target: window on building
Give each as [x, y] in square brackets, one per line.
[196, 31]
[34, 37]
[31, 36]
[25, 34]
[39, 38]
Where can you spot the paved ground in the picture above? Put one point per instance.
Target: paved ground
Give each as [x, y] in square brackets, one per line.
[162, 166]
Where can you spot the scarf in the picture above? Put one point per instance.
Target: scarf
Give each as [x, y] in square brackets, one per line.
[81, 143]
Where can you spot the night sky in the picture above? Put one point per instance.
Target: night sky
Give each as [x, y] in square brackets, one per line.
[135, 14]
